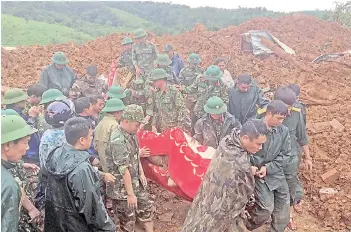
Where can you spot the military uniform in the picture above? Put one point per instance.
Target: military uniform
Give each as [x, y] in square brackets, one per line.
[210, 132]
[298, 134]
[51, 139]
[272, 192]
[54, 78]
[82, 88]
[164, 62]
[138, 97]
[224, 191]
[125, 61]
[187, 75]
[302, 106]
[123, 153]
[244, 105]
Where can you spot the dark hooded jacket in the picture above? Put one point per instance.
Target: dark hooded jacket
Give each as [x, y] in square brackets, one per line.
[73, 195]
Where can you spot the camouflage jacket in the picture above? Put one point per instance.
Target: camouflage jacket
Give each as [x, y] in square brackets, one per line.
[122, 152]
[167, 108]
[225, 189]
[102, 135]
[244, 105]
[54, 78]
[210, 132]
[204, 90]
[274, 155]
[172, 79]
[51, 139]
[187, 75]
[82, 88]
[39, 122]
[144, 55]
[130, 99]
[125, 60]
[10, 199]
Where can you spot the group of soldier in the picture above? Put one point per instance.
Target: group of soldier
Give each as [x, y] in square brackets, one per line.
[70, 158]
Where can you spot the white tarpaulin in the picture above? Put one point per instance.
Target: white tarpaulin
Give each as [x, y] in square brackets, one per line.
[251, 41]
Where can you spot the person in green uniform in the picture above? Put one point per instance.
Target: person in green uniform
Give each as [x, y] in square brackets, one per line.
[136, 94]
[163, 61]
[271, 189]
[144, 53]
[299, 141]
[125, 60]
[215, 124]
[58, 75]
[116, 91]
[15, 135]
[34, 92]
[188, 74]
[299, 104]
[166, 105]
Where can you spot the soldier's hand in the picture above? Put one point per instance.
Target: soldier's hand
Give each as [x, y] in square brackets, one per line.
[109, 178]
[308, 163]
[262, 172]
[144, 152]
[34, 111]
[254, 170]
[34, 169]
[34, 215]
[143, 180]
[132, 201]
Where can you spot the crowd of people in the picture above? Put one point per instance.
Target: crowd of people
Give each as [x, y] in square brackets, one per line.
[70, 158]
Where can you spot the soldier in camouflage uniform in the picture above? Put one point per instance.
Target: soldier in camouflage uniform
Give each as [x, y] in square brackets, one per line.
[164, 62]
[207, 85]
[125, 60]
[136, 94]
[271, 189]
[166, 105]
[89, 85]
[144, 53]
[130, 198]
[215, 124]
[34, 92]
[116, 91]
[187, 75]
[228, 183]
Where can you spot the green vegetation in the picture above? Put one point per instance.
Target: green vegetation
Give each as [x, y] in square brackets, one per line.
[25, 23]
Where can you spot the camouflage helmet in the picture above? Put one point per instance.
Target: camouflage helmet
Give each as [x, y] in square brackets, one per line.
[13, 96]
[212, 73]
[168, 47]
[8, 112]
[113, 105]
[215, 105]
[194, 58]
[158, 74]
[163, 59]
[134, 113]
[116, 91]
[14, 127]
[59, 58]
[126, 41]
[139, 33]
[51, 95]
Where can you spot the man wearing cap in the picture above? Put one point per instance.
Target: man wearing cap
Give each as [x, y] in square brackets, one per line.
[187, 75]
[129, 194]
[166, 105]
[58, 75]
[125, 59]
[164, 62]
[89, 85]
[215, 124]
[136, 94]
[207, 85]
[144, 54]
[116, 91]
[245, 97]
[15, 135]
[177, 62]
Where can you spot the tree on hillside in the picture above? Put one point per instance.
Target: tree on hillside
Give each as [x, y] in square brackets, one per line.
[342, 13]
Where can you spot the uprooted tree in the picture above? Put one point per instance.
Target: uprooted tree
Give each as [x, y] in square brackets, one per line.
[342, 13]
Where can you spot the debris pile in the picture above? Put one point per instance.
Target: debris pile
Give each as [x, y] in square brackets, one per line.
[325, 88]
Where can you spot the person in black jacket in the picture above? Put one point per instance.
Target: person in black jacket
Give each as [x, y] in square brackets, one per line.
[73, 199]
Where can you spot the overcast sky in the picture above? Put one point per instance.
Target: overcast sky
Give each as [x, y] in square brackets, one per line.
[275, 5]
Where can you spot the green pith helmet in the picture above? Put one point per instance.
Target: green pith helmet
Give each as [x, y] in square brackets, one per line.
[194, 58]
[13, 96]
[116, 91]
[8, 112]
[215, 105]
[126, 41]
[158, 74]
[139, 33]
[168, 47]
[113, 105]
[134, 113]
[51, 95]
[14, 127]
[163, 59]
[59, 58]
[212, 73]
[138, 84]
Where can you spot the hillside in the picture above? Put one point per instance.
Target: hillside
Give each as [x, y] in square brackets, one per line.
[89, 20]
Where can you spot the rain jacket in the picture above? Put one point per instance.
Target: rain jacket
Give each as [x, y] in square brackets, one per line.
[177, 64]
[73, 195]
